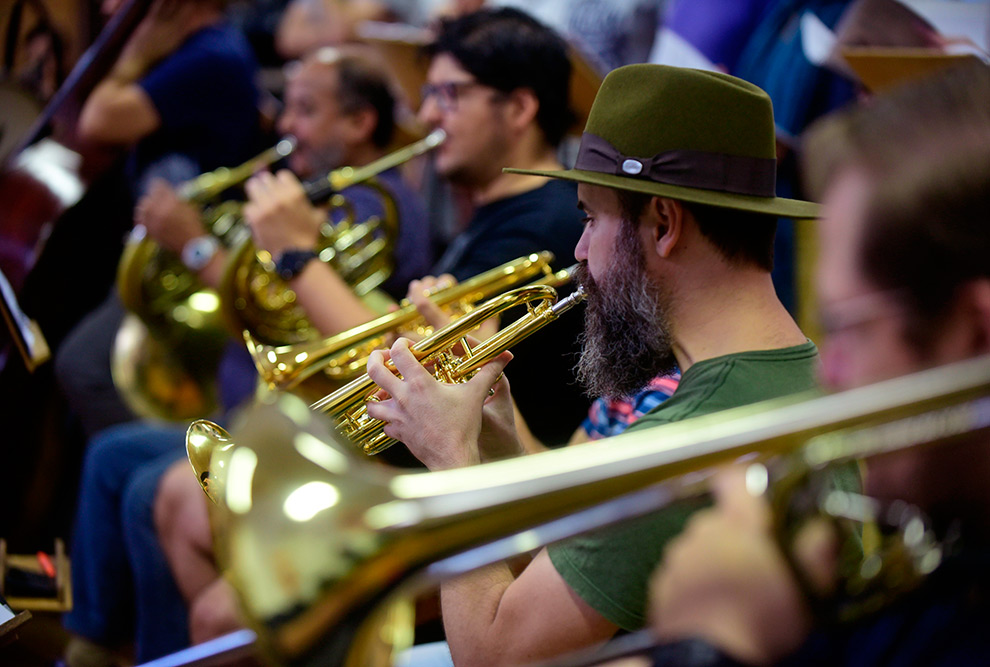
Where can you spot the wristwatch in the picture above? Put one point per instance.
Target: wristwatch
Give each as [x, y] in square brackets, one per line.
[291, 262]
[198, 252]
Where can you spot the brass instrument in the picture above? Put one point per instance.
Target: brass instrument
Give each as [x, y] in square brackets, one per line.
[207, 443]
[255, 299]
[344, 356]
[346, 406]
[318, 537]
[167, 349]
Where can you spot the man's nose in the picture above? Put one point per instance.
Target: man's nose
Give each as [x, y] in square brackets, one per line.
[581, 249]
[429, 112]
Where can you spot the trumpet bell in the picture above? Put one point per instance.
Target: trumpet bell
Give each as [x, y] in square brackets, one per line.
[343, 357]
[206, 444]
[348, 405]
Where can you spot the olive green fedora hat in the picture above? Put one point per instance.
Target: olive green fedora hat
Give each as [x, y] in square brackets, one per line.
[687, 134]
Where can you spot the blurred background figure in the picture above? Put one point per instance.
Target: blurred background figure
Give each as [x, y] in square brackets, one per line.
[904, 285]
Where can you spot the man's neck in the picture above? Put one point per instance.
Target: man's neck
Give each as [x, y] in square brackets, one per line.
[736, 310]
[531, 153]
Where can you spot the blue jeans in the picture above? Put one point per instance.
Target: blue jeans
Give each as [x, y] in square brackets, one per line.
[122, 585]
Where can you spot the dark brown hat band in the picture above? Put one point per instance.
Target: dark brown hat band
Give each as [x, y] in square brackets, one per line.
[693, 169]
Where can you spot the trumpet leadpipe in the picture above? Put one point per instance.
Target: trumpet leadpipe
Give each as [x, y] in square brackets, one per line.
[284, 367]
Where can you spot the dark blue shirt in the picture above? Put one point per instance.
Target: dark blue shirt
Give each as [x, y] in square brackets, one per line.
[541, 372]
[206, 97]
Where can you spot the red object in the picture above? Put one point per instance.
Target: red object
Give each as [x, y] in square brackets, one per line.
[45, 561]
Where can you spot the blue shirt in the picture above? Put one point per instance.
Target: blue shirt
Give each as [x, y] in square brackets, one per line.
[205, 94]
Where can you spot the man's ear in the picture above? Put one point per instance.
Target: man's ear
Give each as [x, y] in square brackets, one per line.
[361, 125]
[522, 106]
[666, 220]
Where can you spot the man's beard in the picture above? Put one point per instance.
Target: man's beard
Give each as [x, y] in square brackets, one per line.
[626, 341]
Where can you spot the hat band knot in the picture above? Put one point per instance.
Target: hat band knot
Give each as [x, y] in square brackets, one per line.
[738, 174]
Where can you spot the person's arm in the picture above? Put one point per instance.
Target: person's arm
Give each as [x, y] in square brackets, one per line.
[281, 218]
[119, 111]
[724, 579]
[173, 222]
[493, 618]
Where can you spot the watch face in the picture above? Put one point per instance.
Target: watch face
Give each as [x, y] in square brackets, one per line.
[198, 252]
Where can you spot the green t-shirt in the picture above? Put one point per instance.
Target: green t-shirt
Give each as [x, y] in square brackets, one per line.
[610, 569]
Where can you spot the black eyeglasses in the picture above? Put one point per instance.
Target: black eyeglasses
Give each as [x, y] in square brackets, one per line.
[446, 93]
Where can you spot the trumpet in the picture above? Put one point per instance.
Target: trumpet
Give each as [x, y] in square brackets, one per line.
[344, 356]
[206, 442]
[167, 350]
[255, 299]
[346, 406]
[316, 537]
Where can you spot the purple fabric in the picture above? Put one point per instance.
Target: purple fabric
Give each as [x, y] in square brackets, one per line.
[694, 169]
[718, 29]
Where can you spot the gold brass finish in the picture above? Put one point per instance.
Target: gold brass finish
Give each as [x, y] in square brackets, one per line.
[204, 441]
[167, 350]
[319, 537]
[346, 406]
[207, 443]
[343, 357]
[257, 300]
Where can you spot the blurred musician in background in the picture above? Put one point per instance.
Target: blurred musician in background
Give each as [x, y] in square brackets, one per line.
[904, 284]
[498, 86]
[341, 110]
[182, 96]
[676, 252]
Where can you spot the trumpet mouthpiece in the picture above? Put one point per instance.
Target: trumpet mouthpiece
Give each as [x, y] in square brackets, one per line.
[284, 147]
[435, 138]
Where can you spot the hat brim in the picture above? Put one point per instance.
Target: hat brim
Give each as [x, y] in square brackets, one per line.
[787, 208]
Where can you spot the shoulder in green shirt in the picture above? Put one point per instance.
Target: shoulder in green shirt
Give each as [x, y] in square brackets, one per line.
[610, 569]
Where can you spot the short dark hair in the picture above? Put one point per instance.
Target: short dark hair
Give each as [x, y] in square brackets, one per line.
[364, 85]
[742, 237]
[925, 147]
[507, 49]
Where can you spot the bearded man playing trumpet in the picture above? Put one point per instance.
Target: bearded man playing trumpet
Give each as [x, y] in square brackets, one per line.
[676, 256]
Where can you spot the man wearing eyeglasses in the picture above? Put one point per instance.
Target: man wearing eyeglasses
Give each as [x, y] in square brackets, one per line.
[498, 85]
